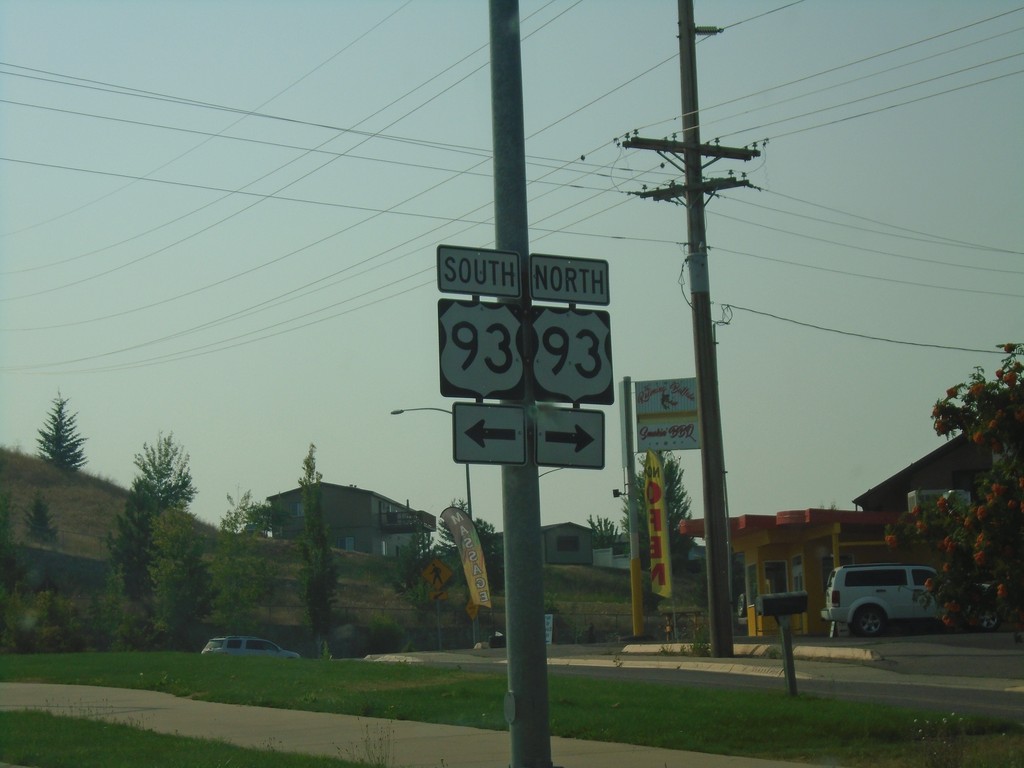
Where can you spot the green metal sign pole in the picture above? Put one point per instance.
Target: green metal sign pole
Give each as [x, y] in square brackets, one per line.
[526, 702]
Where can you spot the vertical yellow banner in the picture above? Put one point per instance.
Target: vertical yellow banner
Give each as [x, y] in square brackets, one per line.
[464, 533]
[657, 526]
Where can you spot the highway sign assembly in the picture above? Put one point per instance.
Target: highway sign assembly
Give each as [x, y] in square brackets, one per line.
[481, 349]
[489, 434]
[482, 356]
[569, 437]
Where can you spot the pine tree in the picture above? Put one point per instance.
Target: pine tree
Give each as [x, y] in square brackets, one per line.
[131, 546]
[39, 521]
[59, 441]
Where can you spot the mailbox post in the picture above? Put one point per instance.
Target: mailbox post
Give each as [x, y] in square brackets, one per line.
[782, 605]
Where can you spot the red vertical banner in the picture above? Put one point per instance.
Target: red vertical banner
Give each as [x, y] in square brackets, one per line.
[657, 526]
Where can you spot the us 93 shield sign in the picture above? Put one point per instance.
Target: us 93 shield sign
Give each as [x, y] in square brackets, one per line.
[481, 349]
[573, 355]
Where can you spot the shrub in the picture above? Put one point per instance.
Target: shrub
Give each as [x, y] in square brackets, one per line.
[385, 635]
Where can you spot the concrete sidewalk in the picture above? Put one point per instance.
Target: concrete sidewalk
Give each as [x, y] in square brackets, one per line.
[410, 745]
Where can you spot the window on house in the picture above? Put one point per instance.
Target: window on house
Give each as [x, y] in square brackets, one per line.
[297, 509]
[775, 576]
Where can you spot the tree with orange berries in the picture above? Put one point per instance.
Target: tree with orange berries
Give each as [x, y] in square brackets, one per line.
[981, 543]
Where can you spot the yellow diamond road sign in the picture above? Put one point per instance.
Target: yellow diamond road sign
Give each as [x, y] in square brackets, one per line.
[437, 574]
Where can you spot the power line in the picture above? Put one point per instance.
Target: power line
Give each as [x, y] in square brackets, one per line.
[476, 224]
[236, 122]
[880, 94]
[759, 16]
[974, 267]
[892, 280]
[896, 106]
[938, 239]
[817, 327]
[839, 67]
[861, 78]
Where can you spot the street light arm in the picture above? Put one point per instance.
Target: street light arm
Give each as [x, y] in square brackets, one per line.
[469, 492]
[399, 411]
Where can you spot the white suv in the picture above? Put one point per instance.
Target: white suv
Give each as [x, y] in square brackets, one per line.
[868, 597]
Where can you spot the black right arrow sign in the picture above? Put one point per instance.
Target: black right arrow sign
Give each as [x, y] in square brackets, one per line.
[579, 437]
[570, 437]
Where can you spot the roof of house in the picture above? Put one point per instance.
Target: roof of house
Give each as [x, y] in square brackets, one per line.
[950, 446]
[563, 525]
[349, 488]
[364, 491]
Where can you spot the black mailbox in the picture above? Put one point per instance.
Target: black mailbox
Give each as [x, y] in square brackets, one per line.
[782, 604]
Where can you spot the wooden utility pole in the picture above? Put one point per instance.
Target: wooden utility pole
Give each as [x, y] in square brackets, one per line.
[691, 153]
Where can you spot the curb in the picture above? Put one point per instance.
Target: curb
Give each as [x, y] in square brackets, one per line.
[805, 652]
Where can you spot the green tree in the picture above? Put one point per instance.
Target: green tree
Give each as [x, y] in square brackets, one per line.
[605, 531]
[677, 502]
[256, 517]
[59, 441]
[319, 575]
[164, 472]
[39, 522]
[243, 577]
[42, 622]
[412, 558]
[131, 544]
[181, 580]
[981, 543]
[10, 564]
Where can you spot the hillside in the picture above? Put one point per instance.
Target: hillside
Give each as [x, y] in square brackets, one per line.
[83, 509]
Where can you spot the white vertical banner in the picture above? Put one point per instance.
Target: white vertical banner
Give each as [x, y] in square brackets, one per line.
[666, 415]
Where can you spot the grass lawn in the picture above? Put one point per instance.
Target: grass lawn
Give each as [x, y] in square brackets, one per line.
[756, 724]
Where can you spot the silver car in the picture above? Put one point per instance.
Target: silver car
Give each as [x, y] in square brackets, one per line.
[242, 645]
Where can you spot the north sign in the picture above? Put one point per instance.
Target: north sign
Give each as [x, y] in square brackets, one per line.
[488, 434]
[572, 355]
[477, 271]
[481, 350]
[574, 281]
[570, 438]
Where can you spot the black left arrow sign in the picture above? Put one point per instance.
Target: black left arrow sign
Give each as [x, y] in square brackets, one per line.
[581, 438]
[480, 433]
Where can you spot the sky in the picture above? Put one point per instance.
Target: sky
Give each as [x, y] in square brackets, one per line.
[219, 220]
